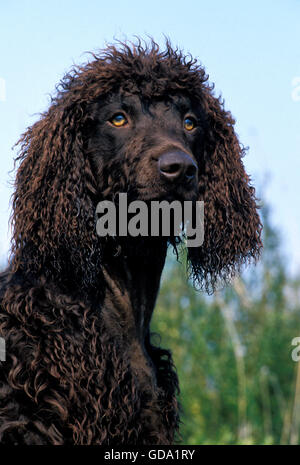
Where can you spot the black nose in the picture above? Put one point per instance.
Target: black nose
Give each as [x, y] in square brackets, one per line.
[176, 166]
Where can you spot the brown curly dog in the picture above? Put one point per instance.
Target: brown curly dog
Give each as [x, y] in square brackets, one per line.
[76, 307]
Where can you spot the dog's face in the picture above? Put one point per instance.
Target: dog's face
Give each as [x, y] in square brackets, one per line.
[149, 146]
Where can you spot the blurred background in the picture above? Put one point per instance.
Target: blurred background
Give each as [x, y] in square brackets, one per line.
[233, 350]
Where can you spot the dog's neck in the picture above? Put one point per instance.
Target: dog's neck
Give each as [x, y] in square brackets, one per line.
[132, 283]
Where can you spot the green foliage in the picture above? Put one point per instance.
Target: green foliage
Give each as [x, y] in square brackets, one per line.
[233, 351]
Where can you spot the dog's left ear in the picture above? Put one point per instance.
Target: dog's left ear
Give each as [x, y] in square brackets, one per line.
[232, 226]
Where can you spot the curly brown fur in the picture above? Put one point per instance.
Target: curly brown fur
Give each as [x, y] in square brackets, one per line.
[76, 308]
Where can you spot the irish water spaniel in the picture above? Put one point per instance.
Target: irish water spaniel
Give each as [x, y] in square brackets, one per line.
[81, 367]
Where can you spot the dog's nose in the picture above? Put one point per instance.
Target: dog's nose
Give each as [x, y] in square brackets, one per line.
[176, 166]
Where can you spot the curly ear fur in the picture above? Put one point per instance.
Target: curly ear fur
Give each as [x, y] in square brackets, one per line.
[232, 227]
[52, 208]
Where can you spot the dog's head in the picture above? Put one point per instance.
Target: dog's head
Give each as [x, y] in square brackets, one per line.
[141, 121]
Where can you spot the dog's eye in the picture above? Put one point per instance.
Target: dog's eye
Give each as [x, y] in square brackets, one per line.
[119, 120]
[189, 123]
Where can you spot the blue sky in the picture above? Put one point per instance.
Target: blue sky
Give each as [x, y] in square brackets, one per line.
[251, 51]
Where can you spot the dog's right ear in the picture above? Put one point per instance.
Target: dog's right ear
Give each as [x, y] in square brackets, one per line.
[232, 226]
[53, 217]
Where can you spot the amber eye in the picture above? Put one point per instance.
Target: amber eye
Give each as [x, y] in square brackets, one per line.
[189, 123]
[119, 120]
